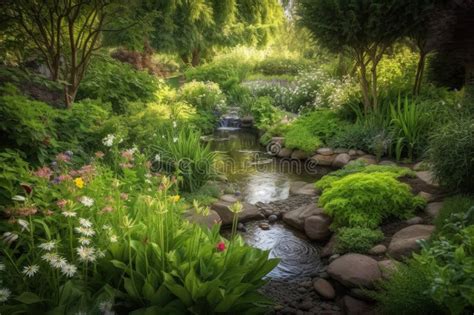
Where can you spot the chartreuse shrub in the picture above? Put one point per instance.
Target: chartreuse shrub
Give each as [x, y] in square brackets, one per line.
[357, 240]
[361, 167]
[204, 96]
[451, 152]
[366, 200]
[264, 113]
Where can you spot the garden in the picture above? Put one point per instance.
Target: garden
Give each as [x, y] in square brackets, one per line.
[237, 157]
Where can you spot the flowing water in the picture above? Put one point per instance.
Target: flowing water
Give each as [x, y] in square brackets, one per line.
[261, 178]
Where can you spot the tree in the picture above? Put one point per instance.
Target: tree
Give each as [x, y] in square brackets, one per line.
[65, 33]
[360, 28]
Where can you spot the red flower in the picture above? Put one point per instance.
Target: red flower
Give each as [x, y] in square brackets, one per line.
[220, 247]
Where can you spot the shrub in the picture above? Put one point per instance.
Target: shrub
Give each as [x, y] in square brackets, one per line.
[264, 113]
[405, 291]
[277, 65]
[357, 240]
[453, 205]
[204, 96]
[13, 172]
[365, 200]
[451, 152]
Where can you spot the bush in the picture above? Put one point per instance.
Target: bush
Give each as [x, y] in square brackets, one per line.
[13, 172]
[117, 83]
[204, 96]
[365, 200]
[276, 65]
[357, 240]
[451, 152]
[453, 205]
[264, 113]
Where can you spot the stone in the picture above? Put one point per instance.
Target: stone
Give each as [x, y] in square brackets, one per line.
[301, 290]
[296, 217]
[241, 227]
[361, 294]
[284, 153]
[272, 218]
[405, 241]
[316, 227]
[355, 270]
[323, 160]
[264, 226]
[368, 159]
[387, 162]
[249, 212]
[328, 249]
[341, 160]
[352, 153]
[279, 140]
[387, 267]
[333, 257]
[360, 152]
[414, 220]
[432, 209]
[299, 155]
[324, 288]
[340, 150]
[428, 178]
[325, 151]
[378, 250]
[427, 196]
[306, 305]
[229, 198]
[354, 306]
[205, 220]
[421, 166]
[303, 188]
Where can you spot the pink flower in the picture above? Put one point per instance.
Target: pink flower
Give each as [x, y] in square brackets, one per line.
[126, 165]
[220, 247]
[61, 157]
[124, 196]
[43, 172]
[128, 155]
[64, 177]
[107, 209]
[99, 154]
[61, 203]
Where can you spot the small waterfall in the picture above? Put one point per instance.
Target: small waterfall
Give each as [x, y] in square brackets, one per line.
[230, 120]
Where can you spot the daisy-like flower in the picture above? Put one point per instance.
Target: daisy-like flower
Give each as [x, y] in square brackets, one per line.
[58, 262]
[18, 198]
[30, 271]
[9, 237]
[69, 214]
[175, 124]
[84, 240]
[113, 239]
[108, 141]
[85, 223]
[68, 270]
[175, 139]
[4, 295]
[24, 225]
[157, 158]
[48, 246]
[86, 254]
[49, 257]
[85, 231]
[87, 201]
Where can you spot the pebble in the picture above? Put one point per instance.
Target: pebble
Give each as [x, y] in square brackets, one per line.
[301, 290]
[241, 227]
[264, 226]
[306, 284]
[272, 218]
[268, 212]
[306, 305]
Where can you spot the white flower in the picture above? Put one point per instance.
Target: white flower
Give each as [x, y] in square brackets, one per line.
[157, 158]
[68, 270]
[24, 225]
[86, 201]
[86, 254]
[175, 124]
[4, 294]
[84, 240]
[30, 271]
[175, 139]
[18, 198]
[106, 227]
[2, 266]
[105, 306]
[85, 231]
[9, 237]
[69, 214]
[113, 238]
[108, 141]
[48, 246]
[85, 223]
[58, 262]
[49, 257]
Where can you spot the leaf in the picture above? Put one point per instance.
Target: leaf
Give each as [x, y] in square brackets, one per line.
[29, 298]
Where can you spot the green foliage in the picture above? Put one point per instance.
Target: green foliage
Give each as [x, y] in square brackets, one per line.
[117, 83]
[204, 96]
[277, 65]
[312, 130]
[405, 291]
[366, 200]
[360, 167]
[264, 113]
[357, 240]
[14, 170]
[453, 205]
[451, 152]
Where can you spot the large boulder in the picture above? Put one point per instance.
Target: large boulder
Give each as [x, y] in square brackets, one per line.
[405, 241]
[324, 288]
[355, 270]
[208, 220]
[387, 267]
[316, 227]
[249, 212]
[324, 160]
[432, 209]
[297, 217]
[284, 153]
[341, 160]
[428, 178]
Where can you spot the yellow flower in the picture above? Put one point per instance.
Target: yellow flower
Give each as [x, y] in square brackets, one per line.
[175, 198]
[79, 182]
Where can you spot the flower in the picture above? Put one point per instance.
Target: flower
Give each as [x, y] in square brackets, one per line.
[107, 209]
[220, 247]
[48, 257]
[86, 254]
[24, 225]
[18, 198]
[86, 201]
[9, 237]
[175, 139]
[99, 154]
[79, 182]
[62, 157]
[61, 203]
[175, 124]
[43, 172]
[69, 214]
[48, 246]
[123, 196]
[58, 262]
[175, 198]
[84, 240]
[108, 141]
[105, 306]
[157, 158]
[68, 270]
[113, 239]
[85, 223]
[236, 207]
[30, 271]
[85, 231]
[4, 294]
[128, 154]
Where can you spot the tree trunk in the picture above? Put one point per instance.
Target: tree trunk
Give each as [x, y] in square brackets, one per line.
[419, 73]
[364, 84]
[196, 58]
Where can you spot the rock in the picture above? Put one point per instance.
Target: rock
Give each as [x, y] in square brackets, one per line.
[249, 212]
[360, 152]
[341, 160]
[361, 294]
[272, 218]
[279, 140]
[340, 150]
[387, 267]
[299, 155]
[328, 249]
[432, 209]
[355, 270]
[267, 212]
[301, 290]
[316, 227]
[387, 162]
[324, 288]
[303, 188]
[414, 220]
[334, 257]
[325, 151]
[306, 305]
[241, 227]
[421, 166]
[324, 160]
[278, 307]
[296, 217]
[352, 153]
[354, 306]
[368, 159]
[378, 250]
[284, 153]
[405, 241]
[264, 226]
[427, 196]
[206, 220]
[229, 198]
[428, 178]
